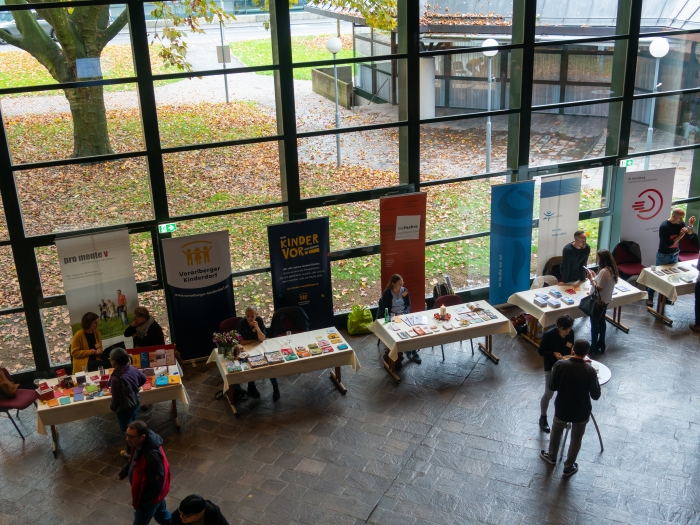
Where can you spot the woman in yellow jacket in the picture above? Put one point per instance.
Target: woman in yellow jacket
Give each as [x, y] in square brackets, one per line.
[86, 345]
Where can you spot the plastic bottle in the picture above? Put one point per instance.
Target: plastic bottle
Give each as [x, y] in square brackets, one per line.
[386, 316]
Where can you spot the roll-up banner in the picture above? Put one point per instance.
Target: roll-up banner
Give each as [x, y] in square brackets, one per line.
[560, 198]
[200, 289]
[646, 203]
[402, 231]
[98, 277]
[301, 268]
[511, 239]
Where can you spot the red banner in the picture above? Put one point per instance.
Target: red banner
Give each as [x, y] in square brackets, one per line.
[402, 227]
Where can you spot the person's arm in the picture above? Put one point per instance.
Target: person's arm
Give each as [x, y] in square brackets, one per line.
[545, 348]
[155, 476]
[77, 349]
[584, 259]
[261, 329]
[594, 385]
[142, 377]
[130, 331]
[124, 472]
[115, 386]
[665, 236]
[554, 377]
[566, 263]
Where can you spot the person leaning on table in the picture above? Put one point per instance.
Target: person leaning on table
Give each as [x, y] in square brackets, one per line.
[252, 329]
[124, 376]
[86, 346]
[397, 299]
[574, 258]
[555, 344]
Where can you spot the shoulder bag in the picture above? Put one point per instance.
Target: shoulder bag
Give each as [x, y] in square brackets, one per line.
[592, 305]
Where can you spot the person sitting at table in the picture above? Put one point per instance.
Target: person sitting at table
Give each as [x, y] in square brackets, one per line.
[555, 344]
[129, 377]
[86, 346]
[605, 283]
[252, 329]
[574, 258]
[398, 301]
[144, 329]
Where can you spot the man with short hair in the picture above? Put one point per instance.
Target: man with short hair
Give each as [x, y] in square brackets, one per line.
[198, 511]
[252, 329]
[576, 383]
[121, 306]
[574, 258]
[671, 232]
[555, 344]
[149, 475]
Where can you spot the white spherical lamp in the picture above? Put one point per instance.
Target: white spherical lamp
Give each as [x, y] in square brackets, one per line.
[334, 45]
[659, 47]
[490, 42]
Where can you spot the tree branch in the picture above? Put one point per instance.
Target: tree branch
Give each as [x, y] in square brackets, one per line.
[113, 29]
[12, 40]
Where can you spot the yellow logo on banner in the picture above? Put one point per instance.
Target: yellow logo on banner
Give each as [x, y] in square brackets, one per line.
[303, 296]
[198, 254]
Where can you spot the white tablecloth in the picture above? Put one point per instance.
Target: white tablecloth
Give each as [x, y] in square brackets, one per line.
[333, 359]
[669, 285]
[548, 316]
[97, 406]
[395, 344]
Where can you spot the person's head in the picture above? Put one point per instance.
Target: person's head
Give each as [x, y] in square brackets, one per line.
[251, 312]
[395, 283]
[191, 508]
[581, 347]
[677, 216]
[141, 315]
[564, 324]
[136, 433]
[605, 260]
[119, 292]
[119, 357]
[90, 321]
[579, 239]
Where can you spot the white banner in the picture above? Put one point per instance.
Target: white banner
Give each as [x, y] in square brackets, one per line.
[560, 197]
[646, 203]
[98, 276]
[197, 261]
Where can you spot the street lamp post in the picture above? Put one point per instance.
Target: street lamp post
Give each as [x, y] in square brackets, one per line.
[658, 48]
[334, 45]
[489, 42]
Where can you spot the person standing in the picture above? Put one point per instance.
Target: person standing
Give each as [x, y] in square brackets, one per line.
[576, 383]
[252, 329]
[671, 232]
[555, 344]
[574, 258]
[604, 282]
[144, 329]
[149, 475]
[198, 511]
[121, 306]
[124, 379]
[86, 345]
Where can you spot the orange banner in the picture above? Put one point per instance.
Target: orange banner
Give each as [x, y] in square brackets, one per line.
[402, 228]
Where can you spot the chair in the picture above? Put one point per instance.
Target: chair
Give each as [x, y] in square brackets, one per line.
[229, 324]
[23, 398]
[544, 280]
[628, 263]
[689, 249]
[289, 319]
[553, 267]
[450, 300]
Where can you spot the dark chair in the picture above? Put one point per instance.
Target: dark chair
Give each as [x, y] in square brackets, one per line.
[553, 267]
[689, 248]
[628, 263]
[450, 300]
[229, 324]
[289, 319]
[23, 398]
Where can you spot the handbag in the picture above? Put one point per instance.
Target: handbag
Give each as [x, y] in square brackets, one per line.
[593, 306]
[128, 400]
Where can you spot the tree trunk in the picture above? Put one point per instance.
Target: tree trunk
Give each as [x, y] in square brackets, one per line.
[90, 134]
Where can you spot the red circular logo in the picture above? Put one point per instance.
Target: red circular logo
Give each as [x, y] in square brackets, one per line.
[650, 205]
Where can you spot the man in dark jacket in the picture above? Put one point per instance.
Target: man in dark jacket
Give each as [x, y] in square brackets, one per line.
[198, 511]
[252, 329]
[574, 258]
[149, 475]
[555, 344]
[576, 383]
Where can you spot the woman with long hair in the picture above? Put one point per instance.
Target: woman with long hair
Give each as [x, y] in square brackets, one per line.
[604, 282]
[398, 301]
[86, 346]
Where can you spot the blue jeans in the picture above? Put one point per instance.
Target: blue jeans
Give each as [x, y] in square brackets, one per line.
[158, 511]
[125, 419]
[663, 258]
[598, 329]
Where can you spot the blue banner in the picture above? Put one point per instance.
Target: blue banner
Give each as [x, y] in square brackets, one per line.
[301, 268]
[511, 239]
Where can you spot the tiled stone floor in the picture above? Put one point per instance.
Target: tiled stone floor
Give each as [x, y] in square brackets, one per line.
[456, 442]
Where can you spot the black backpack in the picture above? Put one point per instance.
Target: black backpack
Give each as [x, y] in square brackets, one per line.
[128, 399]
[441, 289]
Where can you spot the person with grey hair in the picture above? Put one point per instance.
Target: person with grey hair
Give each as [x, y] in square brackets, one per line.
[124, 378]
[252, 329]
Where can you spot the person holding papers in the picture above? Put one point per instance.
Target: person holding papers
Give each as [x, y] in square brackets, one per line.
[397, 299]
[604, 282]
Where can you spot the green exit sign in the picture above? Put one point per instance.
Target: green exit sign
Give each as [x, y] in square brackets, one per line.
[626, 163]
[167, 228]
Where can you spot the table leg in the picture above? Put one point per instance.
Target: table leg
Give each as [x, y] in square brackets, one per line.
[598, 430]
[54, 439]
[615, 319]
[488, 349]
[177, 419]
[390, 366]
[531, 335]
[660, 309]
[336, 378]
[230, 399]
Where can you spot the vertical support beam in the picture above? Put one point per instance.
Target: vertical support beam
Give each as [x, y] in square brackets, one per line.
[563, 75]
[394, 72]
[694, 189]
[447, 71]
[521, 77]
[286, 108]
[503, 57]
[409, 92]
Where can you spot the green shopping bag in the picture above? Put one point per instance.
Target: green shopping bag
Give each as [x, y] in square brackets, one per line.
[359, 320]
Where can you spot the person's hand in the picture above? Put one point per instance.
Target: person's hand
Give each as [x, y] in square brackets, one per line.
[558, 355]
[120, 477]
[569, 345]
[254, 326]
[405, 293]
[133, 324]
[590, 274]
[691, 221]
[93, 351]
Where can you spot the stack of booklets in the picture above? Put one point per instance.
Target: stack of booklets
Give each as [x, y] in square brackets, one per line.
[160, 357]
[287, 351]
[274, 357]
[315, 350]
[303, 352]
[235, 366]
[540, 301]
[256, 361]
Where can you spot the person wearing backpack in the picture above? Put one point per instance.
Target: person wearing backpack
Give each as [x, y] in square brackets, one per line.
[125, 383]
